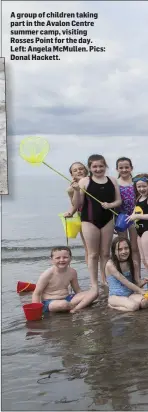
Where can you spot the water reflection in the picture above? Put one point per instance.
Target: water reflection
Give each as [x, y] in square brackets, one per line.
[105, 349]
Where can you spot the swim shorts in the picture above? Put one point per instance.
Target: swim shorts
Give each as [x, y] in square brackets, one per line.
[46, 302]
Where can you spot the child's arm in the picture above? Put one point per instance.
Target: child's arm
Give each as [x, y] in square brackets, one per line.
[118, 200]
[111, 269]
[78, 196]
[137, 216]
[74, 282]
[40, 286]
[73, 209]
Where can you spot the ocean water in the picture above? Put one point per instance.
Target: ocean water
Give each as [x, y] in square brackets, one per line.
[94, 360]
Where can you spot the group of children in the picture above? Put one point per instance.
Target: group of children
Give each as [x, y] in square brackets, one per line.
[121, 270]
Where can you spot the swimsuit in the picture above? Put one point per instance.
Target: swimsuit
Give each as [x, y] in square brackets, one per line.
[128, 198]
[92, 211]
[117, 288]
[142, 225]
[46, 302]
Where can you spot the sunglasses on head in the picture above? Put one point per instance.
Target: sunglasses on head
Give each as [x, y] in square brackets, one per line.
[137, 179]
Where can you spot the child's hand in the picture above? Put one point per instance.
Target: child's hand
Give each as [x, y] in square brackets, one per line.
[75, 186]
[131, 217]
[105, 205]
[143, 292]
[68, 214]
[143, 282]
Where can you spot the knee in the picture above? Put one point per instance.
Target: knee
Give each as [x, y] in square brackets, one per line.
[135, 250]
[65, 305]
[134, 306]
[62, 305]
[105, 254]
[93, 256]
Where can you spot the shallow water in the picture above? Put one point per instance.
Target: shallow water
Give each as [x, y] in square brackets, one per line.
[94, 360]
[97, 359]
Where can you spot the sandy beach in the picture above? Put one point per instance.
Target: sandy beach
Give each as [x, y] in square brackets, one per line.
[3, 146]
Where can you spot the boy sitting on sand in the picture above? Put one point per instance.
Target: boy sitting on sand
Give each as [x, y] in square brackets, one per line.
[52, 286]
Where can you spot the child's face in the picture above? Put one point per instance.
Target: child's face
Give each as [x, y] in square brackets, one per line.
[78, 171]
[124, 169]
[98, 168]
[122, 251]
[61, 259]
[142, 188]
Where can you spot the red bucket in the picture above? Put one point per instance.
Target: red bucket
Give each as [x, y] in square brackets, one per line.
[25, 287]
[33, 311]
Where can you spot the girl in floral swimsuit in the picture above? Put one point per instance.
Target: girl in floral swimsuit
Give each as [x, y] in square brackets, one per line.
[124, 167]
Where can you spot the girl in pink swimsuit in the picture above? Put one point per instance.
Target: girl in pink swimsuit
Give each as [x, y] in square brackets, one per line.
[124, 167]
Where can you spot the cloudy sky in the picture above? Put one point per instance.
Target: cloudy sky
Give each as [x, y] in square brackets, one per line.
[85, 102]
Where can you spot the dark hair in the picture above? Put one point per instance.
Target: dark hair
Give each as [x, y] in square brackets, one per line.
[115, 260]
[123, 159]
[140, 175]
[70, 169]
[95, 157]
[59, 248]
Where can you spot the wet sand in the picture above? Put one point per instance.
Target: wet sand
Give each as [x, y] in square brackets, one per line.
[3, 148]
[93, 360]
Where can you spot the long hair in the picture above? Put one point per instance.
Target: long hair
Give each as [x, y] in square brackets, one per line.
[115, 260]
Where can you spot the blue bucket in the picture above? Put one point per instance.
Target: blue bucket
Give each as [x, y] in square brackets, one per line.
[121, 224]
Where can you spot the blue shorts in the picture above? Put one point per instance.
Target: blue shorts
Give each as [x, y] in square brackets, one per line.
[48, 301]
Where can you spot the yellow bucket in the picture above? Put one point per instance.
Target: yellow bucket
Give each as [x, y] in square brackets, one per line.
[72, 225]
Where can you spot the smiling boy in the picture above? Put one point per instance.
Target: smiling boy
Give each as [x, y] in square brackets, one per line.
[52, 287]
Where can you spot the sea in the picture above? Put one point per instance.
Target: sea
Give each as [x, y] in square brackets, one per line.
[93, 360]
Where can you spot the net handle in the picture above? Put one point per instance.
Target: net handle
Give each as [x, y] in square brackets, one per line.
[83, 190]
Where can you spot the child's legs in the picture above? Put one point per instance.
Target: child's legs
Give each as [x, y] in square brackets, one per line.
[123, 303]
[92, 238]
[105, 244]
[135, 252]
[83, 299]
[144, 244]
[143, 248]
[60, 305]
[143, 303]
[85, 247]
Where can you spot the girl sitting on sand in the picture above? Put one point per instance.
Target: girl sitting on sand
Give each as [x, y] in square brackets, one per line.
[124, 294]
[141, 186]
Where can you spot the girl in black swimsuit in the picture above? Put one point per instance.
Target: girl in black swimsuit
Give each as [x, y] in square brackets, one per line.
[97, 219]
[141, 186]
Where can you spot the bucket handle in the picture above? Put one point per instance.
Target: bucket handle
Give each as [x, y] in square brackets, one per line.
[25, 288]
[66, 231]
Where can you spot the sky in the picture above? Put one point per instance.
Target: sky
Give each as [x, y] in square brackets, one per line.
[84, 103]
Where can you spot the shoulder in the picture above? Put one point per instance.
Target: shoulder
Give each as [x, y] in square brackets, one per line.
[73, 273]
[70, 189]
[46, 273]
[113, 180]
[44, 278]
[109, 267]
[84, 182]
